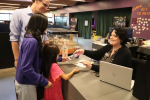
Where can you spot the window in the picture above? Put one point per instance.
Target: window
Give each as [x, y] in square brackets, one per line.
[61, 20]
[10, 16]
[4, 17]
[50, 19]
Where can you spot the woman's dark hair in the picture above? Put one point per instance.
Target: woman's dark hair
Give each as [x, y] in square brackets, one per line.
[50, 52]
[36, 27]
[122, 34]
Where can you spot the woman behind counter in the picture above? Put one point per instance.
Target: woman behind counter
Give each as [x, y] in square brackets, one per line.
[116, 52]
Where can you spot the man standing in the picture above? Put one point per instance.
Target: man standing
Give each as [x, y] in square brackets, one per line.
[20, 20]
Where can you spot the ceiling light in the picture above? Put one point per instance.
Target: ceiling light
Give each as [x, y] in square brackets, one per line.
[58, 4]
[9, 8]
[52, 7]
[79, 0]
[9, 4]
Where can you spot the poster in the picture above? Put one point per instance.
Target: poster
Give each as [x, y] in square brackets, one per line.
[120, 21]
[65, 48]
[73, 24]
[86, 23]
[142, 14]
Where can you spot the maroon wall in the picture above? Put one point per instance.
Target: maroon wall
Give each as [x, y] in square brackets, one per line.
[141, 21]
[112, 4]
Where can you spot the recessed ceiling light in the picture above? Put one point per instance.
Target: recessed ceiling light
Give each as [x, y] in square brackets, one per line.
[58, 4]
[52, 7]
[9, 4]
[79, 0]
[8, 8]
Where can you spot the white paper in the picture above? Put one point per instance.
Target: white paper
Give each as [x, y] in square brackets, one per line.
[103, 44]
[80, 61]
[94, 49]
[86, 23]
[80, 65]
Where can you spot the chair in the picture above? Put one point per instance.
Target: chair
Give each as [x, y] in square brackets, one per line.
[135, 63]
[141, 88]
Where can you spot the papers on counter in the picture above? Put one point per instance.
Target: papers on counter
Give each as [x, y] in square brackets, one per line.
[99, 43]
[79, 63]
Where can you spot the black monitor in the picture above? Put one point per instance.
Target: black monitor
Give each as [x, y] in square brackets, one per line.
[92, 21]
[128, 29]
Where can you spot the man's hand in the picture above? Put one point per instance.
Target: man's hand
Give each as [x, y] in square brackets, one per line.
[15, 63]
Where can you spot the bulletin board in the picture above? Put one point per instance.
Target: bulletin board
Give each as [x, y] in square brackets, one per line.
[141, 20]
[119, 21]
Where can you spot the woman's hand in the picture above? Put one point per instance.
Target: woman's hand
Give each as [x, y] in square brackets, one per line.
[79, 51]
[49, 85]
[87, 64]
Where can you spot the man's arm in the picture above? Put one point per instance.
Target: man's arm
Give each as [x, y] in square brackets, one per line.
[46, 42]
[15, 49]
[45, 39]
[15, 28]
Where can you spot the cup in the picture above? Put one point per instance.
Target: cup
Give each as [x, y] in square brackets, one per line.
[140, 42]
[102, 40]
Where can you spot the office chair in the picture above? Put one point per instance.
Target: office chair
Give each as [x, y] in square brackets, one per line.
[141, 88]
[135, 63]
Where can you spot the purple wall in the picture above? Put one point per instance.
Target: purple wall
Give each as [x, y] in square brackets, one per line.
[141, 21]
[113, 4]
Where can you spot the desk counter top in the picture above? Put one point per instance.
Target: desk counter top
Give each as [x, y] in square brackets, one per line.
[86, 86]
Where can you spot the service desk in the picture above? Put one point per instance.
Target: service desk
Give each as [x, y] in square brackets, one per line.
[86, 86]
[99, 46]
[61, 31]
[144, 50]
[133, 48]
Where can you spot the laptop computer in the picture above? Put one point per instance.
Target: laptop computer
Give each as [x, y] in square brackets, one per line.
[116, 75]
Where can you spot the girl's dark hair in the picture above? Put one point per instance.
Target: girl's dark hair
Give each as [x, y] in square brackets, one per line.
[122, 34]
[36, 27]
[50, 52]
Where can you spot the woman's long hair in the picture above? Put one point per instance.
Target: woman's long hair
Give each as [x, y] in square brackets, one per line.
[37, 25]
[50, 52]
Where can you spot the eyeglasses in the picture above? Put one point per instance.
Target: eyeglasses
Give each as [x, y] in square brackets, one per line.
[44, 4]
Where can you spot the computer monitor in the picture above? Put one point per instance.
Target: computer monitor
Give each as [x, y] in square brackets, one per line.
[92, 21]
[128, 29]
